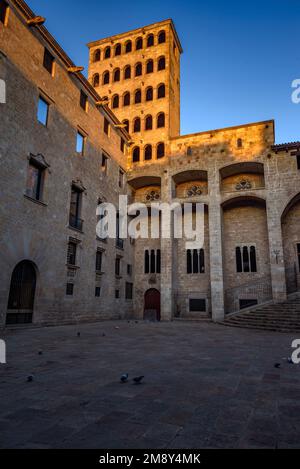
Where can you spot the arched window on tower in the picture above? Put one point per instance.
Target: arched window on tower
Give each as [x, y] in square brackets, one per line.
[106, 78]
[137, 125]
[97, 55]
[126, 122]
[148, 123]
[160, 150]
[149, 94]
[136, 154]
[138, 97]
[161, 91]
[161, 64]
[117, 75]
[118, 50]
[161, 120]
[150, 40]
[161, 37]
[239, 143]
[127, 72]
[115, 101]
[107, 53]
[138, 69]
[139, 43]
[128, 47]
[126, 99]
[149, 66]
[148, 153]
[96, 80]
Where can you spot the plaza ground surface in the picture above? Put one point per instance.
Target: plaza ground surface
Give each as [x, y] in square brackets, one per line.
[205, 386]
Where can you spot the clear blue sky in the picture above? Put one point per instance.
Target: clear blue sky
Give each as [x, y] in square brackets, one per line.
[239, 59]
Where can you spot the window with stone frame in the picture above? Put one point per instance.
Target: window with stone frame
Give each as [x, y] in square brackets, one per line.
[106, 126]
[99, 260]
[104, 163]
[76, 208]
[83, 101]
[42, 111]
[298, 255]
[72, 253]
[35, 180]
[195, 261]
[129, 291]
[152, 261]
[97, 292]
[48, 62]
[70, 289]
[246, 261]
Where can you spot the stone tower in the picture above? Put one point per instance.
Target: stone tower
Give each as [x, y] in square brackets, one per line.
[138, 73]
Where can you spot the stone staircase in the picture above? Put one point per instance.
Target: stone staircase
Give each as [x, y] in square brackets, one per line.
[281, 317]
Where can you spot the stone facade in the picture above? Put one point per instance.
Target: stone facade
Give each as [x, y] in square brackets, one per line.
[250, 187]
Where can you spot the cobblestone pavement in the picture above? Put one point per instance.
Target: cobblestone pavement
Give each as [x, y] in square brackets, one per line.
[205, 386]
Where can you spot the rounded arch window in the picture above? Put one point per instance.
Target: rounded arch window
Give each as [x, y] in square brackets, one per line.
[160, 150]
[149, 94]
[115, 101]
[128, 47]
[107, 53]
[96, 80]
[139, 43]
[161, 64]
[126, 123]
[106, 78]
[148, 123]
[137, 125]
[150, 40]
[138, 69]
[161, 91]
[117, 75]
[136, 154]
[161, 120]
[149, 66]
[127, 72]
[148, 153]
[126, 99]
[138, 97]
[162, 37]
[97, 55]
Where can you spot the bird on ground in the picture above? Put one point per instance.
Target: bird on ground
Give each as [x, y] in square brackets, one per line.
[138, 380]
[124, 378]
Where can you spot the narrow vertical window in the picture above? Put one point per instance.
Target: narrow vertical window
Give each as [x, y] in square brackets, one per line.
[136, 155]
[150, 40]
[201, 262]
[195, 262]
[147, 262]
[34, 184]
[139, 43]
[158, 261]
[97, 55]
[118, 266]
[43, 110]
[246, 261]
[48, 62]
[99, 255]
[148, 153]
[80, 143]
[3, 11]
[106, 126]
[152, 262]
[83, 100]
[253, 263]
[104, 163]
[189, 261]
[75, 209]
[298, 255]
[71, 253]
[239, 264]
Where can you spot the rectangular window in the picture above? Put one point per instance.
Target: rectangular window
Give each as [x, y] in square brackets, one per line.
[129, 291]
[48, 62]
[298, 162]
[198, 305]
[80, 143]
[97, 292]
[106, 126]
[195, 261]
[118, 267]
[121, 179]
[247, 303]
[122, 146]
[129, 270]
[75, 209]
[104, 163]
[246, 259]
[117, 294]
[35, 178]
[83, 100]
[43, 110]
[119, 241]
[71, 255]
[298, 254]
[99, 255]
[3, 11]
[70, 289]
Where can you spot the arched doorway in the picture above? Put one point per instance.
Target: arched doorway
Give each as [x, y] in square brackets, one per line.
[21, 294]
[152, 305]
[291, 244]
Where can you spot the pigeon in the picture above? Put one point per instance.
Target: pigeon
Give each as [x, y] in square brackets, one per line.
[124, 378]
[29, 379]
[138, 380]
[277, 365]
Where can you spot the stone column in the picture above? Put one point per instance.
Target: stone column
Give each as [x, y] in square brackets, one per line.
[167, 256]
[277, 265]
[216, 248]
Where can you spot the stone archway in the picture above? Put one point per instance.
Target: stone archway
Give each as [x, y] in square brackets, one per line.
[152, 305]
[291, 244]
[22, 294]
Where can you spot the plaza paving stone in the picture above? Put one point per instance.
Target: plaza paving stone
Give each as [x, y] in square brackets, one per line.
[206, 386]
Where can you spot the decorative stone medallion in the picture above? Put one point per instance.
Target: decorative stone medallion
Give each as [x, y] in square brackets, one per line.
[153, 196]
[194, 191]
